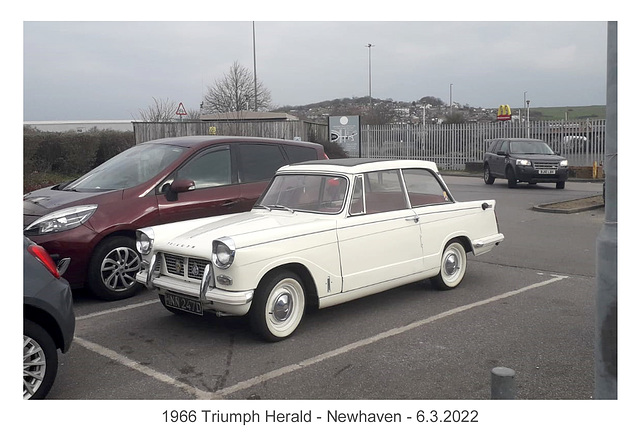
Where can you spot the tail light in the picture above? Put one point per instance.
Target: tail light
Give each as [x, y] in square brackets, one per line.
[41, 254]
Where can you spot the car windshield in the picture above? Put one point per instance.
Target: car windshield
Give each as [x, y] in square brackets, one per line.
[312, 193]
[132, 167]
[526, 147]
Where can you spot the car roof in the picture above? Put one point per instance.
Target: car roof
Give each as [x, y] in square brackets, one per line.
[515, 138]
[198, 141]
[358, 165]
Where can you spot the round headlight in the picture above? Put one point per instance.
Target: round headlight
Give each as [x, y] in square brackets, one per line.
[224, 251]
[144, 240]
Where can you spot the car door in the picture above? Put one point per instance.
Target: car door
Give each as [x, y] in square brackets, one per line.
[380, 241]
[435, 210]
[494, 157]
[215, 189]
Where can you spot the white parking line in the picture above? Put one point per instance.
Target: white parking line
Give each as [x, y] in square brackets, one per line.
[200, 394]
[117, 309]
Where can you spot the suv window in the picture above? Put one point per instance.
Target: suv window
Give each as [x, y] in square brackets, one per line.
[209, 169]
[258, 162]
[423, 188]
[504, 147]
[298, 154]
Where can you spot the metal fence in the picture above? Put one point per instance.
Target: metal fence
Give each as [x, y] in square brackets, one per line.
[452, 146]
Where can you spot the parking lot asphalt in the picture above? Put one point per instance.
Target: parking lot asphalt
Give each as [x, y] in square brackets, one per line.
[528, 305]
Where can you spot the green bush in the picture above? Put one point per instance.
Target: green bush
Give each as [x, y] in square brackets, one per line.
[50, 158]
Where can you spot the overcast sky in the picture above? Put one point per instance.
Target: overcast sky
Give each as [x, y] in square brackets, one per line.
[92, 70]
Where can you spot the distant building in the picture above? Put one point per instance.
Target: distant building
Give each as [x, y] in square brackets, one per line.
[80, 126]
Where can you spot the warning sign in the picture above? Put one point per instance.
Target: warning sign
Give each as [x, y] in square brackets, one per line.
[181, 110]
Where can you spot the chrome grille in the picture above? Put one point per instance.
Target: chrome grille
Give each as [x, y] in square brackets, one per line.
[547, 166]
[181, 266]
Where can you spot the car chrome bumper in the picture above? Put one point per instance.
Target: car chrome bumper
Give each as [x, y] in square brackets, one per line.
[484, 245]
[214, 299]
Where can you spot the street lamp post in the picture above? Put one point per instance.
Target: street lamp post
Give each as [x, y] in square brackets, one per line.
[255, 77]
[450, 99]
[528, 132]
[369, 47]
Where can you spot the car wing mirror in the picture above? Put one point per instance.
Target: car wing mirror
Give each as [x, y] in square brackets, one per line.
[182, 185]
[178, 186]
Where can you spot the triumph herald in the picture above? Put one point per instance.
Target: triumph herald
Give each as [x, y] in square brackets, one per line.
[323, 233]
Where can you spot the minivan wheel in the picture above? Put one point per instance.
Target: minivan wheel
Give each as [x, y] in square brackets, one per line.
[488, 179]
[39, 361]
[113, 269]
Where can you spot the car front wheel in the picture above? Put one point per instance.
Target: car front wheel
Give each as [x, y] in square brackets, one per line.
[453, 266]
[113, 269]
[278, 306]
[39, 362]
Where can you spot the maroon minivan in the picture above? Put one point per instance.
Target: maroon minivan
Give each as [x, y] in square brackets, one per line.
[92, 220]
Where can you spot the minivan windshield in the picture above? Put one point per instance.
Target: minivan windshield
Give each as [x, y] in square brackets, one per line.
[132, 167]
[530, 147]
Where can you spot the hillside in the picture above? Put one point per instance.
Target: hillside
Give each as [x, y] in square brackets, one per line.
[435, 109]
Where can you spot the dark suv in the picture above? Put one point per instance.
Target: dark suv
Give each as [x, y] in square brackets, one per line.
[92, 220]
[524, 160]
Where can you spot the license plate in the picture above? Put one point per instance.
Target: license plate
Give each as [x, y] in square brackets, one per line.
[183, 303]
[546, 172]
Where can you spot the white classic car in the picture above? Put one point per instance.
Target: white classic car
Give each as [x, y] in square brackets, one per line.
[323, 233]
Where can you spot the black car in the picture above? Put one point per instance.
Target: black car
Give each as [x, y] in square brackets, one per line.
[524, 160]
[49, 320]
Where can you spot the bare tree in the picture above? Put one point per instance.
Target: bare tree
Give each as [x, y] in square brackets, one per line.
[237, 91]
[159, 111]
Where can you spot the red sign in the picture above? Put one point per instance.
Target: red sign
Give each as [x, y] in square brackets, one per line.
[181, 111]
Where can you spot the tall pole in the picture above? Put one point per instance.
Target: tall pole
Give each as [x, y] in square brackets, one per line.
[255, 77]
[528, 130]
[450, 99]
[370, 103]
[606, 336]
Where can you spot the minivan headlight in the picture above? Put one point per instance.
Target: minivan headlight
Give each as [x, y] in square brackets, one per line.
[62, 220]
[223, 252]
[144, 240]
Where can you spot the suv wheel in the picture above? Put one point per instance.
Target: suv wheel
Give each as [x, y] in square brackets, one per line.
[560, 185]
[113, 269]
[488, 178]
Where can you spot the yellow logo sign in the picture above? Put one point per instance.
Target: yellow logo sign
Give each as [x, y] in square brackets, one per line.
[504, 112]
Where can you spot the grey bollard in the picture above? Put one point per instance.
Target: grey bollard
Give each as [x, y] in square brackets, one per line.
[503, 383]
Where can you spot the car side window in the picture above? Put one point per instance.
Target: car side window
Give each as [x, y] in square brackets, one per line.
[357, 201]
[424, 188]
[259, 162]
[383, 191]
[209, 169]
[504, 147]
[298, 154]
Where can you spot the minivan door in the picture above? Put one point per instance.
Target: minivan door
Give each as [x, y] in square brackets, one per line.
[215, 190]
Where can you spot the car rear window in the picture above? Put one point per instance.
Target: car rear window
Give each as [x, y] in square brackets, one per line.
[298, 154]
[258, 162]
